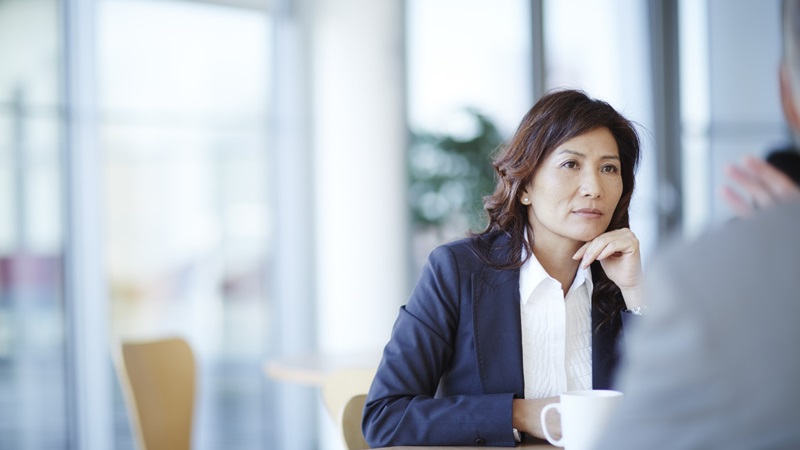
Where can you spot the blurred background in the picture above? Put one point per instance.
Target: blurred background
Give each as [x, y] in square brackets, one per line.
[266, 178]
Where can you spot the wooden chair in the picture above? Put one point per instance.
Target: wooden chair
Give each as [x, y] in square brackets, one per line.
[344, 393]
[352, 414]
[158, 382]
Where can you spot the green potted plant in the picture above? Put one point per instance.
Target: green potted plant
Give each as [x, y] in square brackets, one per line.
[448, 178]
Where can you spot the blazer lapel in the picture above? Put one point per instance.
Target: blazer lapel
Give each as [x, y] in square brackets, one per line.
[496, 322]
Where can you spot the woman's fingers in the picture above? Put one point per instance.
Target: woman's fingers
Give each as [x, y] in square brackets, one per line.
[607, 244]
[613, 248]
[581, 251]
[618, 251]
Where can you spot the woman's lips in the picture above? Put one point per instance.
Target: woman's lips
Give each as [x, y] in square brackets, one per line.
[589, 213]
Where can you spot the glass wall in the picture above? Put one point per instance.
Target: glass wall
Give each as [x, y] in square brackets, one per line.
[32, 343]
[728, 109]
[470, 81]
[183, 91]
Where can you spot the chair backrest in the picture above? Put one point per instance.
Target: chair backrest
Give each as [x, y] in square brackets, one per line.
[344, 393]
[158, 380]
[352, 414]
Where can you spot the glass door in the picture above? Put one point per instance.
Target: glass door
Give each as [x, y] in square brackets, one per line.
[32, 334]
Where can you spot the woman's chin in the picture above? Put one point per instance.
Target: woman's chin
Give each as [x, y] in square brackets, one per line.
[587, 235]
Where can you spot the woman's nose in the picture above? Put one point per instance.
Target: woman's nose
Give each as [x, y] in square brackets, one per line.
[590, 185]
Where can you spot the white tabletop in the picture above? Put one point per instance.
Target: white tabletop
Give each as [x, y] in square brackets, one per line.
[311, 368]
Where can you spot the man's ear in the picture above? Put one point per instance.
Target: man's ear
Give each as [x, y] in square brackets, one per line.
[790, 108]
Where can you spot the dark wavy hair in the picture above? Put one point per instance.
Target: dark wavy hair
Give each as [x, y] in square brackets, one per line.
[557, 117]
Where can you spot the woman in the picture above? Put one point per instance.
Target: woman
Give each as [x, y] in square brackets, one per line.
[502, 322]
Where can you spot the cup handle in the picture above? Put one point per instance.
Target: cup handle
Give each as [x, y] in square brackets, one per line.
[556, 406]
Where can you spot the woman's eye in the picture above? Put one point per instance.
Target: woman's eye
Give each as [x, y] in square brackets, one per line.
[570, 164]
[610, 169]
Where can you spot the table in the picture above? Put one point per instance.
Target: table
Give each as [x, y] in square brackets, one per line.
[528, 446]
[312, 368]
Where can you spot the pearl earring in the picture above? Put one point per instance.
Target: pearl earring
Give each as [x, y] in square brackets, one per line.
[526, 200]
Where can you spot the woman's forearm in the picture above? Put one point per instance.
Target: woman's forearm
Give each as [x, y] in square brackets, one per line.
[525, 416]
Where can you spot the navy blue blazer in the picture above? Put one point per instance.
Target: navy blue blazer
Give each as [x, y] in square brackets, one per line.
[453, 364]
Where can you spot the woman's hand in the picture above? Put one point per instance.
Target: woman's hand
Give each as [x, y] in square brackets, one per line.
[618, 253]
[526, 417]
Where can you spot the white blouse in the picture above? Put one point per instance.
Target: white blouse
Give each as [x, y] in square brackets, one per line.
[556, 332]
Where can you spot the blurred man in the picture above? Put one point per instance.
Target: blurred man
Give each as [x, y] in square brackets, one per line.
[716, 365]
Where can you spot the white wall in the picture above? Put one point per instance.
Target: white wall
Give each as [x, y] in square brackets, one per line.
[359, 171]
[358, 175]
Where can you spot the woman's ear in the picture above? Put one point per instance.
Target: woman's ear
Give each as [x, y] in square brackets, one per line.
[525, 198]
[790, 108]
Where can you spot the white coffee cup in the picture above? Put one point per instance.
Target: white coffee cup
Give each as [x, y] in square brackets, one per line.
[583, 416]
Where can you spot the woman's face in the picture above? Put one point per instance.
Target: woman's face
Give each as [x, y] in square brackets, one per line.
[574, 193]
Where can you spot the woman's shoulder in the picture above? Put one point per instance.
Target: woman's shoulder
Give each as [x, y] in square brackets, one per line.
[474, 248]
[453, 249]
[460, 244]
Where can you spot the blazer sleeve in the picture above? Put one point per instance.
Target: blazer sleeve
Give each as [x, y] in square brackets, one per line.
[402, 407]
